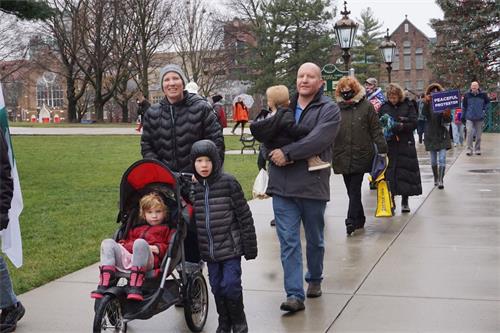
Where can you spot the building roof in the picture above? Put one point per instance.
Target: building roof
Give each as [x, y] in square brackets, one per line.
[413, 25]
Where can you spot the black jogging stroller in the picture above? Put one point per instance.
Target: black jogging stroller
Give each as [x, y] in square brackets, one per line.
[174, 281]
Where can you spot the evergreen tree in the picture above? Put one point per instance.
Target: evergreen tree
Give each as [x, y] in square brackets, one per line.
[27, 9]
[467, 46]
[309, 38]
[286, 35]
[366, 55]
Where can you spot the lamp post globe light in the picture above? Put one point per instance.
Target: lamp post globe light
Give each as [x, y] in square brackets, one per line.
[345, 30]
[388, 49]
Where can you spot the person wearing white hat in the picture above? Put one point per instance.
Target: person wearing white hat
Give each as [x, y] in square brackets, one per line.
[192, 87]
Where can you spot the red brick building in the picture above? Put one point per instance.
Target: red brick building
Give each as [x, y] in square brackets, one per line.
[409, 68]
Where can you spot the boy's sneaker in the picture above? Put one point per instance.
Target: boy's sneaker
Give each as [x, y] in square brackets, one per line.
[316, 163]
[292, 305]
[469, 152]
[10, 316]
[478, 152]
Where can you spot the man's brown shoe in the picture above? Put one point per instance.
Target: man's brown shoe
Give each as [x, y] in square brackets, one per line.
[314, 289]
[292, 305]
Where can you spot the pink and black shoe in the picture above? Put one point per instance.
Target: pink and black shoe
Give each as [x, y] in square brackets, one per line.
[135, 284]
[107, 273]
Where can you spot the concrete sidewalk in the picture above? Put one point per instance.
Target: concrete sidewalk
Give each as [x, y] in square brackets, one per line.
[436, 269]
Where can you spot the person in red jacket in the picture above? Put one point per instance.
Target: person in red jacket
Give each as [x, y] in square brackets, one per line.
[141, 250]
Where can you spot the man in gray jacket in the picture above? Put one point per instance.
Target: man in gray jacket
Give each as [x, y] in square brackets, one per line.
[474, 108]
[300, 195]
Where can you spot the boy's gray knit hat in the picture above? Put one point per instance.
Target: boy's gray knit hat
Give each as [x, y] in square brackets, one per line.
[172, 68]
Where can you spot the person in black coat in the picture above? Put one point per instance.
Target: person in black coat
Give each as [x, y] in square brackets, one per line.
[403, 172]
[179, 120]
[142, 105]
[437, 135]
[225, 233]
[171, 127]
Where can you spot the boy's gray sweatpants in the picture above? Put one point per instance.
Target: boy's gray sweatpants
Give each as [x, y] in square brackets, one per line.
[111, 253]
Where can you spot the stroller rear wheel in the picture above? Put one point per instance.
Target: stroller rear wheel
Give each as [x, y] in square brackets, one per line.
[109, 317]
[196, 302]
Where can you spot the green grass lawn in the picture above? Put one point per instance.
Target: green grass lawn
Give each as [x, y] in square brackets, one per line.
[64, 124]
[70, 188]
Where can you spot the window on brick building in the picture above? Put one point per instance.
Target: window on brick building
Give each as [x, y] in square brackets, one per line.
[407, 55]
[420, 85]
[408, 85]
[49, 93]
[407, 62]
[395, 63]
[419, 58]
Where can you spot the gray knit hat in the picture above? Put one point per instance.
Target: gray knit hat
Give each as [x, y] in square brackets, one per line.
[172, 68]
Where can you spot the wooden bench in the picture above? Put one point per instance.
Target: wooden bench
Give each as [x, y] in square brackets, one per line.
[248, 142]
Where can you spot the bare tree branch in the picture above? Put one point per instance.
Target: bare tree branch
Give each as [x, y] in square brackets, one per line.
[108, 39]
[198, 41]
[154, 23]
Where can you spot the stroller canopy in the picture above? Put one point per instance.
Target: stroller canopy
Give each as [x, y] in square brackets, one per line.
[146, 172]
[142, 174]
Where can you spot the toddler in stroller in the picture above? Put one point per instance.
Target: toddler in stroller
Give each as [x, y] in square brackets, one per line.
[141, 250]
[143, 268]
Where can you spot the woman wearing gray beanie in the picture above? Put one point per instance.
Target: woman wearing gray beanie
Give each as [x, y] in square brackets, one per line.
[172, 126]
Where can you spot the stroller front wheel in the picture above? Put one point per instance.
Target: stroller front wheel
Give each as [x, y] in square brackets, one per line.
[196, 302]
[109, 316]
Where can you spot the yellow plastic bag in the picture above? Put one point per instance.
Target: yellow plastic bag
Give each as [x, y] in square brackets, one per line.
[384, 200]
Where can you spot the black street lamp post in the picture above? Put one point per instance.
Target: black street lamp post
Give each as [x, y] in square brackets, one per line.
[345, 30]
[388, 49]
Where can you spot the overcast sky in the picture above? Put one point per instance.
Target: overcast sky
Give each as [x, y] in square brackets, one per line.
[389, 12]
[392, 12]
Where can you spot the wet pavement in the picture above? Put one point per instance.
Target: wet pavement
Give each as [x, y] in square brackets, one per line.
[436, 269]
